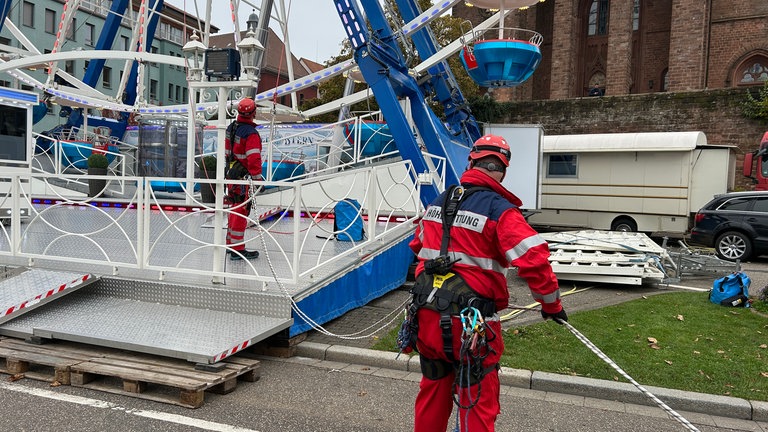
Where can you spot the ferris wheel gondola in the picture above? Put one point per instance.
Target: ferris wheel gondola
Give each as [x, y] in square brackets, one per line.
[501, 56]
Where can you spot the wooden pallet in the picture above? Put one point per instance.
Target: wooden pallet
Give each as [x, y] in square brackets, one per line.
[145, 376]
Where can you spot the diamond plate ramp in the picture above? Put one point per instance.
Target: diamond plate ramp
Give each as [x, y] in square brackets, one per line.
[197, 324]
[33, 288]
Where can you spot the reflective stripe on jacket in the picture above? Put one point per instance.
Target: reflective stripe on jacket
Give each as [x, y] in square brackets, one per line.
[490, 235]
[247, 146]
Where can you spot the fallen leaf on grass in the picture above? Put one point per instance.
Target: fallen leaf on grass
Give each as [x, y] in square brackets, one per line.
[668, 362]
[764, 374]
[680, 318]
[696, 352]
[764, 346]
[720, 352]
[652, 340]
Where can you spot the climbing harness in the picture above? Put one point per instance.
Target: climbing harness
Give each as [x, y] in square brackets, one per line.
[439, 289]
[474, 349]
[583, 339]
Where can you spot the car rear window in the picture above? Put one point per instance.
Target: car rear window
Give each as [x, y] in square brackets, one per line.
[761, 205]
[736, 204]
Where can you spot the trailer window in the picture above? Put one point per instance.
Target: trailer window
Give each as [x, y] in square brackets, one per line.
[562, 165]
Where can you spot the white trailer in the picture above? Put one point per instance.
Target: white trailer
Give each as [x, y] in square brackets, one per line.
[646, 182]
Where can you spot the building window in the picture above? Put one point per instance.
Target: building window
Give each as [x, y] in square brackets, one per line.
[636, 15]
[126, 43]
[72, 29]
[185, 95]
[170, 91]
[598, 18]
[50, 21]
[106, 77]
[90, 33]
[665, 80]
[69, 66]
[178, 93]
[153, 90]
[752, 71]
[28, 14]
[562, 165]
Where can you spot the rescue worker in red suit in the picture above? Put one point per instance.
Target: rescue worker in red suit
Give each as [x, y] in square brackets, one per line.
[488, 235]
[243, 152]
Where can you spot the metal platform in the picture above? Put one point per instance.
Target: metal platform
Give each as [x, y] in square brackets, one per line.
[198, 324]
[187, 315]
[607, 256]
[30, 289]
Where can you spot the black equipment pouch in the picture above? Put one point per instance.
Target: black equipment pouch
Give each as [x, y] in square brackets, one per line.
[235, 170]
[449, 294]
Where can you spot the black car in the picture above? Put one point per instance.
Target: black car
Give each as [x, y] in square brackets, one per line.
[735, 224]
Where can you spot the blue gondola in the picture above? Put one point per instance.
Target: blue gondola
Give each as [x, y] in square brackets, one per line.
[75, 153]
[502, 62]
[375, 138]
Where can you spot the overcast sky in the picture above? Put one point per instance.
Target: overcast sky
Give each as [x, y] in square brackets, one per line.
[314, 28]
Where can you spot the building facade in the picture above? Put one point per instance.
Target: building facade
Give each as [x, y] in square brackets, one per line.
[640, 46]
[39, 20]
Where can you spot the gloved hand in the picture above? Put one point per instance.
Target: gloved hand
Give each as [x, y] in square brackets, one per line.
[556, 317]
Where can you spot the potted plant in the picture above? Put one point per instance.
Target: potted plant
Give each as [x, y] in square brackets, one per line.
[97, 166]
[207, 170]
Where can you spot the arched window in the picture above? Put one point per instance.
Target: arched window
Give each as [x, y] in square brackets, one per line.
[598, 18]
[752, 71]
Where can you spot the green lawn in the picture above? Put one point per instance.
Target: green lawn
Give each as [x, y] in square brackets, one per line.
[677, 340]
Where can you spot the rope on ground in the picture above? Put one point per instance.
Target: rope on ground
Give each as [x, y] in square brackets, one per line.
[672, 413]
[295, 307]
[532, 306]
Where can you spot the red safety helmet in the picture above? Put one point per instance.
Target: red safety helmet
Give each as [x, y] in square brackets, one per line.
[246, 107]
[491, 145]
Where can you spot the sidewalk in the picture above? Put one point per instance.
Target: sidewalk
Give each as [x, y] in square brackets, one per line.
[356, 351]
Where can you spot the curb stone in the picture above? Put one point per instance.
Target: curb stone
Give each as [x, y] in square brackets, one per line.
[722, 406]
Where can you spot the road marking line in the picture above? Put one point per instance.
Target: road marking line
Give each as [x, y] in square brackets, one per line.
[96, 403]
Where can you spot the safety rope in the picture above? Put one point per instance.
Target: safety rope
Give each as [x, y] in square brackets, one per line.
[295, 307]
[672, 413]
[533, 306]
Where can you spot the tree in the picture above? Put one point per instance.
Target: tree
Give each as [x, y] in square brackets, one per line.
[756, 107]
[445, 29]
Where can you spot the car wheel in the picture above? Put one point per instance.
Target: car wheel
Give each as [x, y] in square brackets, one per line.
[732, 246]
[625, 224]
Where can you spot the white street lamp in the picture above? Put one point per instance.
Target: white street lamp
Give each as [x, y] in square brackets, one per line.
[250, 47]
[194, 50]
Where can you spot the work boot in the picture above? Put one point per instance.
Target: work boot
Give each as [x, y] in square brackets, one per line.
[243, 254]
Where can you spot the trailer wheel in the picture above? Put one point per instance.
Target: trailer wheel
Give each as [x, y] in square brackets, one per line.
[732, 246]
[625, 224]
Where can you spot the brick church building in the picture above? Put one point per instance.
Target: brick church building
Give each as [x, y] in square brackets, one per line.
[640, 46]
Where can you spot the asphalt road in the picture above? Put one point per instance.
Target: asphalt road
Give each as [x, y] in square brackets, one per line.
[294, 396]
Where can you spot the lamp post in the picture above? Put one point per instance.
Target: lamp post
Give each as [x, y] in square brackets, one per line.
[250, 47]
[195, 51]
